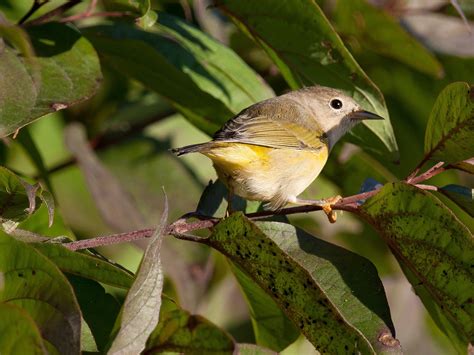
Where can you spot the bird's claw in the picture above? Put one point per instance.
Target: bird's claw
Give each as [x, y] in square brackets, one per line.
[327, 208]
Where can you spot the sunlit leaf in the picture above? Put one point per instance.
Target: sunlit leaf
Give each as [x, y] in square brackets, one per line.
[332, 295]
[34, 284]
[141, 309]
[65, 71]
[205, 80]
[307, 50]
[13, 322]
[435, 250]
[450, 129]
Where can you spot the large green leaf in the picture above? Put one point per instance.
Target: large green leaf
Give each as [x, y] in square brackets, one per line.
[450, 129]
[65, 71]
[204, 80]
[307, 50]
[141, 309]
[19, 334]
[31, 282]
[435, 250]
[381, 33]
[18, 199]
[180, 331]
[271, 326]
[85, 265]
[334, 296]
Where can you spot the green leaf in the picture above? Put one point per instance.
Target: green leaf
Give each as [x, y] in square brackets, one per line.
[98, 308]
[85, 265]
[205, 80]
[450, 129]
[466, 165]
[30, 281]
[65, 71]
[19, 334]
[180, 331]
[379, 31]
[18, 199]
[334, 296]
[435, 251]
[141, 309]
[463, 196]
[271, 326]
[307, 50]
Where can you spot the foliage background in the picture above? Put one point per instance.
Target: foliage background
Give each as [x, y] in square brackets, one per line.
[131, 127]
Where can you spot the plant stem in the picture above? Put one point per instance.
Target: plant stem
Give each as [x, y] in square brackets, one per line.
[182, 227]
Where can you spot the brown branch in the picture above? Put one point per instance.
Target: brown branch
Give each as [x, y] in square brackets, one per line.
[181, 228]
[110, 239]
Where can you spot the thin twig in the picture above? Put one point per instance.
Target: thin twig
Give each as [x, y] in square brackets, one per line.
[110, 239]
[181, 228]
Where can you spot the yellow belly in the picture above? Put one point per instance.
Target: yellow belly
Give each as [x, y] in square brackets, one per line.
[266, 174]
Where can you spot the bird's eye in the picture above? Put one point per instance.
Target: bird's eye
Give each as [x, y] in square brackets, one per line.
[336, 104]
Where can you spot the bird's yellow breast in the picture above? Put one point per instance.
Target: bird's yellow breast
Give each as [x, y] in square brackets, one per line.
[262, 173]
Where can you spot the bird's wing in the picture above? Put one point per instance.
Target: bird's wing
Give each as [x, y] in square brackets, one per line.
[262, 125]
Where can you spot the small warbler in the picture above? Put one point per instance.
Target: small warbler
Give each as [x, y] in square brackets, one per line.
[273, 150]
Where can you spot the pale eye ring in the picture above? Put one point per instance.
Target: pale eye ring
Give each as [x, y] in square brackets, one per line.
[336, 104]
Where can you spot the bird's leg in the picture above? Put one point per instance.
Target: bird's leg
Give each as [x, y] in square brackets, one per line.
[326, 204]
[229, 203]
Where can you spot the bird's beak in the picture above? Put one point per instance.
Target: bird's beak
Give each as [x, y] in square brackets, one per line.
[364, 115]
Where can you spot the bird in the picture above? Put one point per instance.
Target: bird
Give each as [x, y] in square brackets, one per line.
[274, 149]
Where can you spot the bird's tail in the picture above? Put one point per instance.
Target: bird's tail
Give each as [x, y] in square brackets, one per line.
[190, 149]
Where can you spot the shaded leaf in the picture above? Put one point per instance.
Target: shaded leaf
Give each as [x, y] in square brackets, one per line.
[30, 281]
[141, 309]
[18, 199]
[272, 328]
[383, 34]
[463, 196]
[180, 331]
[65, 71]
[435, 251]
[334, 296]
[85, 265]
[19, 332]
[307, 50]
[99, 309]
[450, 129]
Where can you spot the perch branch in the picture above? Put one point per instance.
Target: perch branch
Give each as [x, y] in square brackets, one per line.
[181, 228]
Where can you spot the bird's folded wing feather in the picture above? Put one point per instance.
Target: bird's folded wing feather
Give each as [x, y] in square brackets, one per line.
[271, 130]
